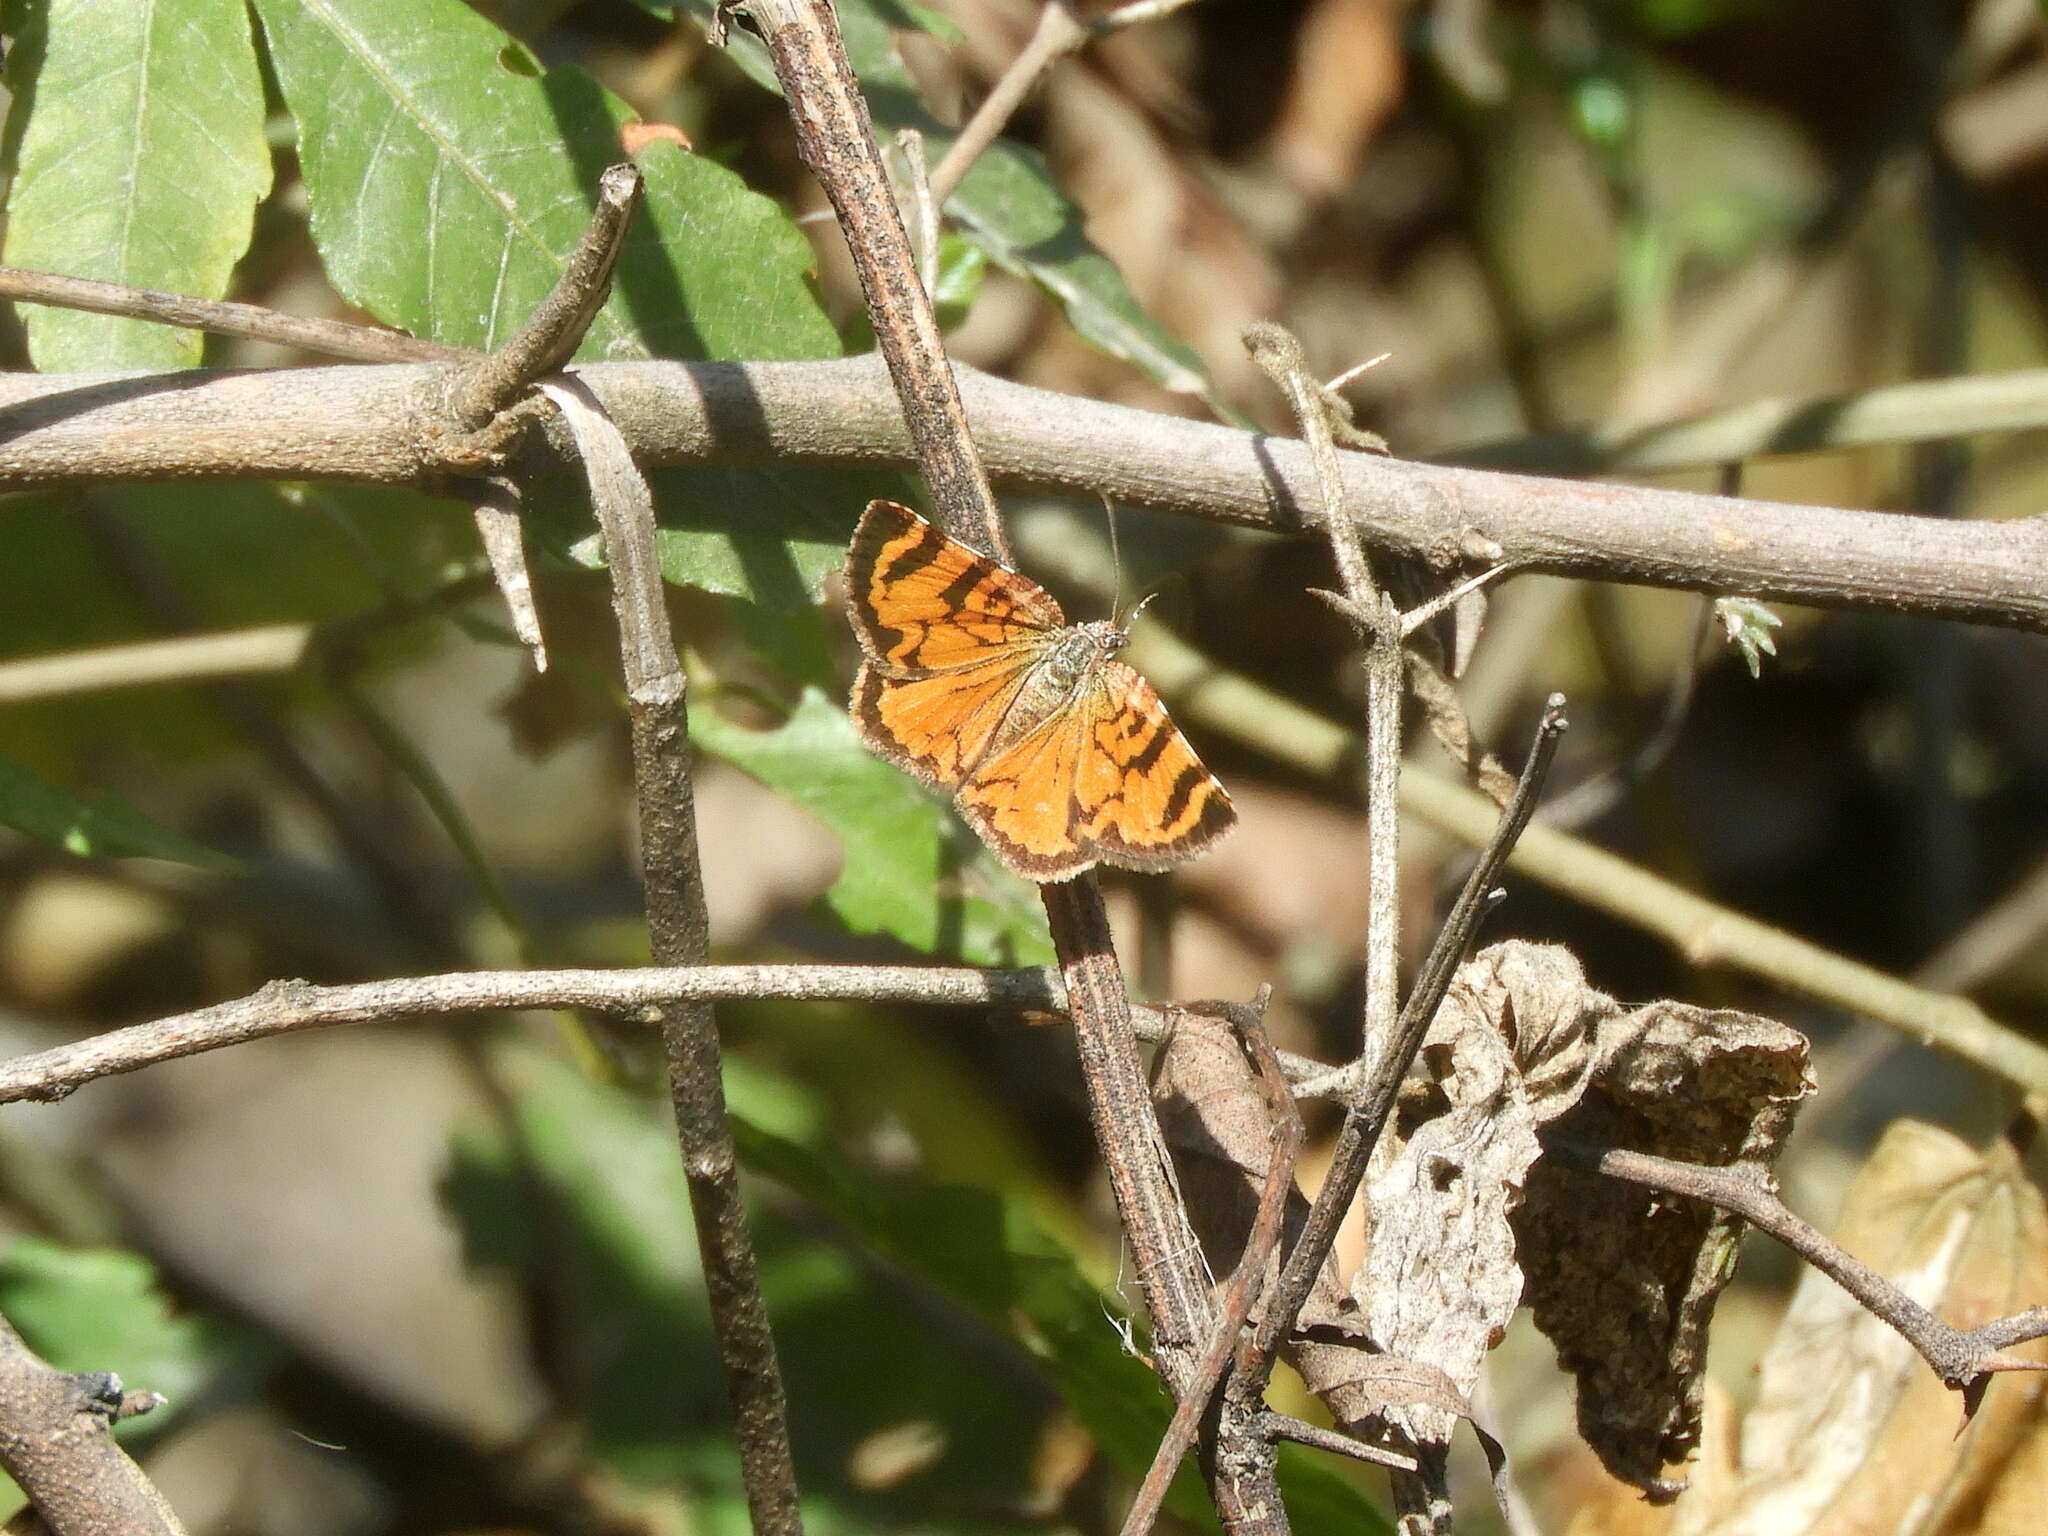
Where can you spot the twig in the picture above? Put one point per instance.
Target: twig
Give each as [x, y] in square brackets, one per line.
[1374, 1101]
[1279, 1426]
[494, 505]
[172, 659]
[1963, 1358]
[1923, 411]
[924, 206]
[1234, 1306]
[1704, 932]
[331, 338]
[555, 329]
[287, 1007]
[388, 427]
[1378, 622]
[57, 1442]
[837, 143]
[680, 930]
[1058, 33]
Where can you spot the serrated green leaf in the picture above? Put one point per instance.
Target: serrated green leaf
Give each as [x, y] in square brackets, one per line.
[912, 871]
[139, 158]
[106, 828]
[450, 182]
[1009, 204]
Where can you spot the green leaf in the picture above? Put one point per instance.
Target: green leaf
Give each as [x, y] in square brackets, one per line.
[108, 827]
[99, 1309]
[580, 1190]
[1009, 204]
[450, 181]
[912, 871]
[986, 1253]
[136, 136]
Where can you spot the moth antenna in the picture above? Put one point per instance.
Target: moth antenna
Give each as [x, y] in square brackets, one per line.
[1116, 559]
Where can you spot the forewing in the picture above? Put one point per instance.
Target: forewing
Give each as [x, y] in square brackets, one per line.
[937, 727]
[1143, 800]
[1020, 800]
[922, 602]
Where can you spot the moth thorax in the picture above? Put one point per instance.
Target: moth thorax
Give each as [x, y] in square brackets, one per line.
[1080, 651]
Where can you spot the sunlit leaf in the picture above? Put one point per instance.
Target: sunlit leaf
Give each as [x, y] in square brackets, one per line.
[450, 181]
[100, 1309]
[136, 135]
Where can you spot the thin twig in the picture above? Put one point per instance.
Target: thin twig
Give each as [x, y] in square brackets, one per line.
[1368, 1114]
[922, 209]
[1926, 410]
[1234, 1306]
[1378, 621]
[1280, 1426]
[680, 929]
[388, 427]
[171, 659]
[288, 1007]
[331, 338]
[1058, 33]
[553, 332]
[1962, 1358]
[494, 505]
[836, 142]
[57, 1442]
[1704, 932]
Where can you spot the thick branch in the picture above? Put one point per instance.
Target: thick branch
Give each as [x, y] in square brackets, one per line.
[384, 425]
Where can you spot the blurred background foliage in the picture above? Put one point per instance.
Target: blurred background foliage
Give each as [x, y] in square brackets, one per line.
[439, 1277]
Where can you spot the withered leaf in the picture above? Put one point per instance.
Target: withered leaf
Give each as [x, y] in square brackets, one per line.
[1622, 1280]
[1851, 1431]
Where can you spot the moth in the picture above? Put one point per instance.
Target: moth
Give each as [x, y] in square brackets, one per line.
[1060, 756]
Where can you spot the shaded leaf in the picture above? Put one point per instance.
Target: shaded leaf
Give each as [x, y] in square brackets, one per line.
[450, 181]
[139, 157]
[106, 828]
[985, 1253]
[582, 1193]
[912, 871]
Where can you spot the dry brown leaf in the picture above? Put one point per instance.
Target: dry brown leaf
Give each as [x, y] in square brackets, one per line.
[1440, 1280]
[1852, 1433]
[1622, 1280]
